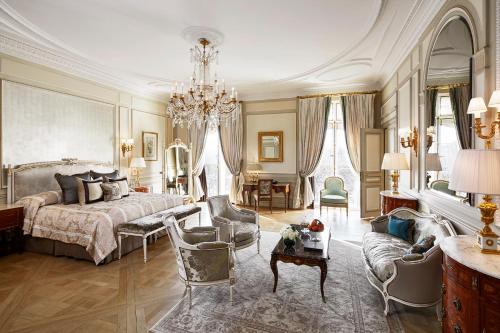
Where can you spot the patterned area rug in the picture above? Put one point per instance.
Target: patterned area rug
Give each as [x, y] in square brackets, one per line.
[352, 304]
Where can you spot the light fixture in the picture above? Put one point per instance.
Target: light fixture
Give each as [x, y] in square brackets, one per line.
[411, 140]
[432, 163]
[476, 171]
[127, 146]
[137, 164]
[395, 162]
[253, 170]
[206, 100]
[477, 107]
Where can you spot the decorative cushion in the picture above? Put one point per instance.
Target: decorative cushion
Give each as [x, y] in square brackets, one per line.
[122, 182]
[381, 249]
[244, 231]
[333, 198]
[89, 191]
[212, 245]
[69, 186]
[401, 228]
[96, 175]
[142, 225]
[423, 246]
[111, 191]
[412, 256]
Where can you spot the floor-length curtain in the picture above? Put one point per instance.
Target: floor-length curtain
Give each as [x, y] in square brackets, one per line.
[459, 97]
[312, 122]
[430, 106]
[197, 139]
[204, 185]
[231, 141]
[358, 112]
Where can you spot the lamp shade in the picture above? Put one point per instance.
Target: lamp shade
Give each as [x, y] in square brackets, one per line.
[476, 171]
[254, 167]
[495, 99]
[137, 162]
[476, 107]
[395, 161]
[433, 162]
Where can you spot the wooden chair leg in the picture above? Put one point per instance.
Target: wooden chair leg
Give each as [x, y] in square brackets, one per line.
[119, 246]
[145, 248]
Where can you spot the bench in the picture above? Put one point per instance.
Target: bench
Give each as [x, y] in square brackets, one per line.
[151, 225]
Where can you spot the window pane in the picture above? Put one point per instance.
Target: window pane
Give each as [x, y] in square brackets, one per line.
[445, 106]
[212, 162]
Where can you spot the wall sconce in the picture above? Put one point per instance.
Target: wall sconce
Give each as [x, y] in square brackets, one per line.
[476, 107]
[127, 146]
[411, 141]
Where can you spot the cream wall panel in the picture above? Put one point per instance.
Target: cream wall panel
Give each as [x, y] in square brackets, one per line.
[17, 70]
[148, 122]
[147, 105]
[404, 70]
[267, 106]
[389, 88]
[414, 123]
[404, 123]
[415, 58]
[285, 122]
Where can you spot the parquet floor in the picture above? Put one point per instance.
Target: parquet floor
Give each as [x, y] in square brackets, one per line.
[40, 293]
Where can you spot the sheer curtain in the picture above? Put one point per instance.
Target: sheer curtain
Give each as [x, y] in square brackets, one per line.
[197, 139]
[313, 122]
[231, 141]
[358, 112]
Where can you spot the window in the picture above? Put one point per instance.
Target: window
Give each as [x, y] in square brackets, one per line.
[335, 159]
[218, 176]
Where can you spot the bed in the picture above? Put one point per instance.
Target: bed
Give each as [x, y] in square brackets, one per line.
[83, 232]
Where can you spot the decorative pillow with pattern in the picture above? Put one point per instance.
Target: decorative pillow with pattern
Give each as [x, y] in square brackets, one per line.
[97, 175]
[423, 246]
[89, 191]
[122, 182]
[111, 191]
[401, 228]
[69, 186]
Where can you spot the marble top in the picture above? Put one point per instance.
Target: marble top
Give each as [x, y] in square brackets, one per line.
[461, 249]
[389, 193]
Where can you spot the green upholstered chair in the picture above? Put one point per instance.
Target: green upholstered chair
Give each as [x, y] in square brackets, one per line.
[334, 194]
[442, 186]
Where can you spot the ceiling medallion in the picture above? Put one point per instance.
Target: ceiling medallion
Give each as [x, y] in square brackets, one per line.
[205, 101]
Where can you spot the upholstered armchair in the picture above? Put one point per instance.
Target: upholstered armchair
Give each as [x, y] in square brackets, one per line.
[202, 259]
[410, 279]
[442, 186]
[239, 227]
[334, 194]
[264, 193]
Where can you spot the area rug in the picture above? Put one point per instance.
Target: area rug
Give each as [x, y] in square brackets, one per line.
[352, 305]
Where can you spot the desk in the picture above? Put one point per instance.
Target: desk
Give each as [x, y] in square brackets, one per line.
[391, 201]
[284, 188]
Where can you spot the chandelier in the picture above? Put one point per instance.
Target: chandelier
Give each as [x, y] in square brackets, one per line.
[205, 101]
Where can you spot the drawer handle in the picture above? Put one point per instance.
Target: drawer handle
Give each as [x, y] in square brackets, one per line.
[443, 289]
[457, 304]
[457, 328]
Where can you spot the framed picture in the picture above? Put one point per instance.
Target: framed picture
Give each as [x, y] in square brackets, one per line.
[270, 146]
[150, 146]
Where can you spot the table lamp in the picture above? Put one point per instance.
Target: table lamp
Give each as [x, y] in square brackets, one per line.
[395, 162]
[477, 171]
[137, 164]
[253, 170]
[432, 163]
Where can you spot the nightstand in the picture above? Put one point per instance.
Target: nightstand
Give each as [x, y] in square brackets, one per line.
[11, 228]
[144, 189]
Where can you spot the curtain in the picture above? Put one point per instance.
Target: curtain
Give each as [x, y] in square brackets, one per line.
[313, 122]
[430, 106]
[204, 186]
[231, 141]
[358, 112]
[197, 139]
[459, 97]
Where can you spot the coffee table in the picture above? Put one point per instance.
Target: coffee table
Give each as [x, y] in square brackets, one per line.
[300, 256]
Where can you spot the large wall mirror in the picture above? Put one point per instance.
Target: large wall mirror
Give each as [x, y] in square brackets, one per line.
[448, 91]
[178, 164]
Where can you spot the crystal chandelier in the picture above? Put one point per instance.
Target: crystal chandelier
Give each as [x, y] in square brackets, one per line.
[205, 101]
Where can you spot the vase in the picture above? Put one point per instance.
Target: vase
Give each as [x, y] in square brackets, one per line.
[289, 243]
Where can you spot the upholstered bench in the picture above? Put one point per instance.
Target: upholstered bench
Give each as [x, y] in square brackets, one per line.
[153, 224]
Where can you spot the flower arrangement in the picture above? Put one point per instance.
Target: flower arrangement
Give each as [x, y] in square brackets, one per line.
[289, 234]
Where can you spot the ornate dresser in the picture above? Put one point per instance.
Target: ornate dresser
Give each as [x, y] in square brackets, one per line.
[390, 201]
[471, 287]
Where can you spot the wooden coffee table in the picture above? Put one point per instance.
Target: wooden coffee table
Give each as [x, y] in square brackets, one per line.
[300, 256]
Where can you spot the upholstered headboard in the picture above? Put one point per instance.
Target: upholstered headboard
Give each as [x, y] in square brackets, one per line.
[33, 178]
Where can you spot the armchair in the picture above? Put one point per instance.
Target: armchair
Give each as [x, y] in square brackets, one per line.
[239, 227]
[413, 280]
[334, 194]
[202, 259]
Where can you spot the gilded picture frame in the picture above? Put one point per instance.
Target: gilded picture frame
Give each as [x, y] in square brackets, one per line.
[270, 146]
[150, 146]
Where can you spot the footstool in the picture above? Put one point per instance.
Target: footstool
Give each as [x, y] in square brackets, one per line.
[143, 227]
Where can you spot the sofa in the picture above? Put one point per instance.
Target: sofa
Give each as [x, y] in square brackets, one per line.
[410, 279]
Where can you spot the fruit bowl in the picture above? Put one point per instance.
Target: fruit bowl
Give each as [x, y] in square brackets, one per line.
[315, 228]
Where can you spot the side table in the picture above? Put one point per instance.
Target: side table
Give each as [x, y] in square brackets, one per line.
[11, 228]
[390, 201]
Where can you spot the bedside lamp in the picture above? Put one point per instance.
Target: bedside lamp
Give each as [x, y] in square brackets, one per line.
[477, 171]
[137, 164]
[253, 170]
[432, 163]
[395, 162]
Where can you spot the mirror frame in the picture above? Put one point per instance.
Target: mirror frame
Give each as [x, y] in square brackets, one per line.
[179, 144]
[279, 134]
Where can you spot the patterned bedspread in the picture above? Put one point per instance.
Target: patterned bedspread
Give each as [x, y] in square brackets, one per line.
[92, 226]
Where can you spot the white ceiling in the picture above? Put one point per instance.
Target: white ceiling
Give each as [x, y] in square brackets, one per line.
[276, 48]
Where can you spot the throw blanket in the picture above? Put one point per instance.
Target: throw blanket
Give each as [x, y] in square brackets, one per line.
[92, 226]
